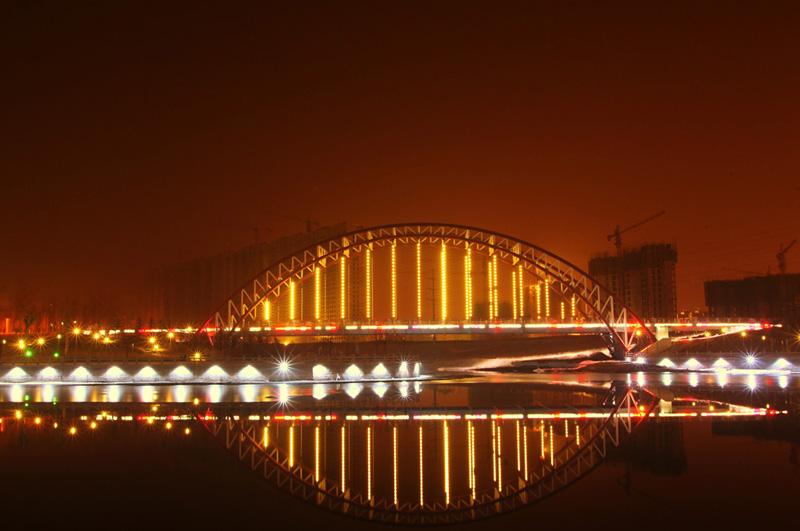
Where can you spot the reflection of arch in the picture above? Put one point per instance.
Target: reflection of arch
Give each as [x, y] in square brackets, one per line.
[593, 299]
[571, 462]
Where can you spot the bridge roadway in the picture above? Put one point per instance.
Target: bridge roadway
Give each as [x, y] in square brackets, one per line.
[661, 330]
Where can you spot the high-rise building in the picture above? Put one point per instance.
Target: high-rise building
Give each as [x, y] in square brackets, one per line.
[189, 292]
[757, 297]
[644, 277]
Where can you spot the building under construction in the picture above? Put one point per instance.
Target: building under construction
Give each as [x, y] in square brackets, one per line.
[644, 276]
[774, 297]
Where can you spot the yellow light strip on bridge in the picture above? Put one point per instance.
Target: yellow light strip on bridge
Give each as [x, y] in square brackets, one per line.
[292, 297]
[521, 295]
[317, 273]
[468, 283]
[419, 280]
[394, 281]
[369, 283]
[444, 282]
[538, 300]
[514, 292]
[266, 310]
[343, 286]
[547, 299]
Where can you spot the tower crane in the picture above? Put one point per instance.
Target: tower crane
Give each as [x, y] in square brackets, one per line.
[781, 256]
[616, 235]
[310, 224]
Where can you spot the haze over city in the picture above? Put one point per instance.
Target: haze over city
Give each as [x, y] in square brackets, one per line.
[138, 135]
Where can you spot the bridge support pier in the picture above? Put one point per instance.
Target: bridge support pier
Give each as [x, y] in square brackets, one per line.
[616, 348]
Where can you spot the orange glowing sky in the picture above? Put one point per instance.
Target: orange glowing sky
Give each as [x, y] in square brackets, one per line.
[137, 134]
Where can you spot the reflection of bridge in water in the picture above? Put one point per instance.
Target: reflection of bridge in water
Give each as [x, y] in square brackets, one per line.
[430, 468]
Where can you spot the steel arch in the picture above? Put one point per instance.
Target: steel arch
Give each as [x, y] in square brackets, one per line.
[566, 279]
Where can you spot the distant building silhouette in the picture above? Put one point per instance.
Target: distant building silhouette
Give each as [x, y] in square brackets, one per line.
[644, 277]
[758, 297]
[189, 292]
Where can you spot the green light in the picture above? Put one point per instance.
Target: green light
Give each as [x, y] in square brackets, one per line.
[28, 353]
[27, 397]
[55, 354]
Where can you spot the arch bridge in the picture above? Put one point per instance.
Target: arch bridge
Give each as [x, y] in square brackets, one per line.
[427, 278]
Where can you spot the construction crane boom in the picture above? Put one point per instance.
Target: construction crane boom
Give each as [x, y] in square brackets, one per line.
[616, 235]
[781, 256]
[310, 224]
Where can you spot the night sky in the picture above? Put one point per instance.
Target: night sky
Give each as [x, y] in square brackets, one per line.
[139, 134]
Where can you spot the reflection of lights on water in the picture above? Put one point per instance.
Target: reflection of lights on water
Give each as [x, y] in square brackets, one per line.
[640, 378]
[722, 378]
[667, 379]
[16, 393]
[693, 379]
[214, 393]
[114, 393]
[417, 387]
[352, 389]
[380, 371]
[283, 393]
[181, 393]
[751, 381]
[47, 393]
[181, 373]
[629, 378]
[404, 389]
[248, 392]
[318, 391]
[380, 388]
[783, 381]
[79, 393]
[148, 393]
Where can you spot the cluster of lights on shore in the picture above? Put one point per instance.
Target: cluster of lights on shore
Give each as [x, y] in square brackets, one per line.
[284, 373]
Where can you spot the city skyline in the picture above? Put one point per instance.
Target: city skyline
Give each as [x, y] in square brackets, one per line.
[144, 135]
